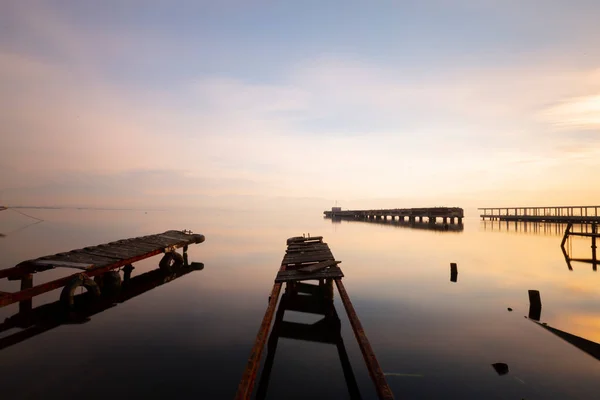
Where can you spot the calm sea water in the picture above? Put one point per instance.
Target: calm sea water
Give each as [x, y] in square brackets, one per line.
[191, 337]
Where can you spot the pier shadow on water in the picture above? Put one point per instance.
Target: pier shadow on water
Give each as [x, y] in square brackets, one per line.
[453, 228]
[311, 299]
[583, 344]
[49, 316]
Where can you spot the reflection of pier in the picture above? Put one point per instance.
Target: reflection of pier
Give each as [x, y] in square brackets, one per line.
[446, 214]
[592, 234]
[563, 214]
[401, 223]
[533, 228]
[49, 316]
[314, 299]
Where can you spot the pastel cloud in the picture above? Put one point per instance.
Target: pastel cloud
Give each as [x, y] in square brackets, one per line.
[332, 125]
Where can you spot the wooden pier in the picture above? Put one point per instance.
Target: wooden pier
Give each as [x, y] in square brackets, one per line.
[562, 214]
[445, 214]
[309, 259]
[95, 261]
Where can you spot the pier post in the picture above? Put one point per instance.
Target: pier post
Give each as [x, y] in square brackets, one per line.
[594, 259]
[26, 283]
[127, 270]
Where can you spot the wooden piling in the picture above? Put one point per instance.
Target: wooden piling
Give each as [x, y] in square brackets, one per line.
[453, 272]
[535, 305]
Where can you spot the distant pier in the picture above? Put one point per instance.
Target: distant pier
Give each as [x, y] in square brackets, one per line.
[562, 214]
[452, 215]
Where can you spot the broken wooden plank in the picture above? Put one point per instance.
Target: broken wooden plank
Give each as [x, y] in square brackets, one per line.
[307, 256]
[294, 275]
[318, 266]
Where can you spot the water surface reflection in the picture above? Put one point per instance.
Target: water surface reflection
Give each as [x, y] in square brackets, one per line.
[434, 338]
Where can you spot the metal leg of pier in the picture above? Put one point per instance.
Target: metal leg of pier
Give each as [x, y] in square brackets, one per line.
[247, 383]
[594, 259]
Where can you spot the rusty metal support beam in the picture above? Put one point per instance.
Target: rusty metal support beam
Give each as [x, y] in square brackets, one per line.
[246, 385]
[381, 385]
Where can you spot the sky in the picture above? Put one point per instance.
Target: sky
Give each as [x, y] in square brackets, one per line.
[367, 103]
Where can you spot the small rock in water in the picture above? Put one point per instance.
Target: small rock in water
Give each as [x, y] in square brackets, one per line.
[501, 368]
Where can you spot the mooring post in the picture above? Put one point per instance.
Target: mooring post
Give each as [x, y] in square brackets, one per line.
[453, 272]
[535, 305]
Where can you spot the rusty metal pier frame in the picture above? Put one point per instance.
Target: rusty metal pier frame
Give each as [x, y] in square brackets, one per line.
[92, 262]
[309, 258]
[593, 235]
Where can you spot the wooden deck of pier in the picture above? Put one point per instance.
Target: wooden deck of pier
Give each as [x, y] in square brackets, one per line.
[307, 258]
[555, 214]
[446, 214]
[90, 262]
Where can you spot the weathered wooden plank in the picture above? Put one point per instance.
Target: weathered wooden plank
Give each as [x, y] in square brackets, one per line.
[318, 266]
[308, 259]
[77, 257]
[291, 256]
[112, 253]
[66, 264]
[306, 249]
[294, 275]
[137, 247]
[301, 239]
